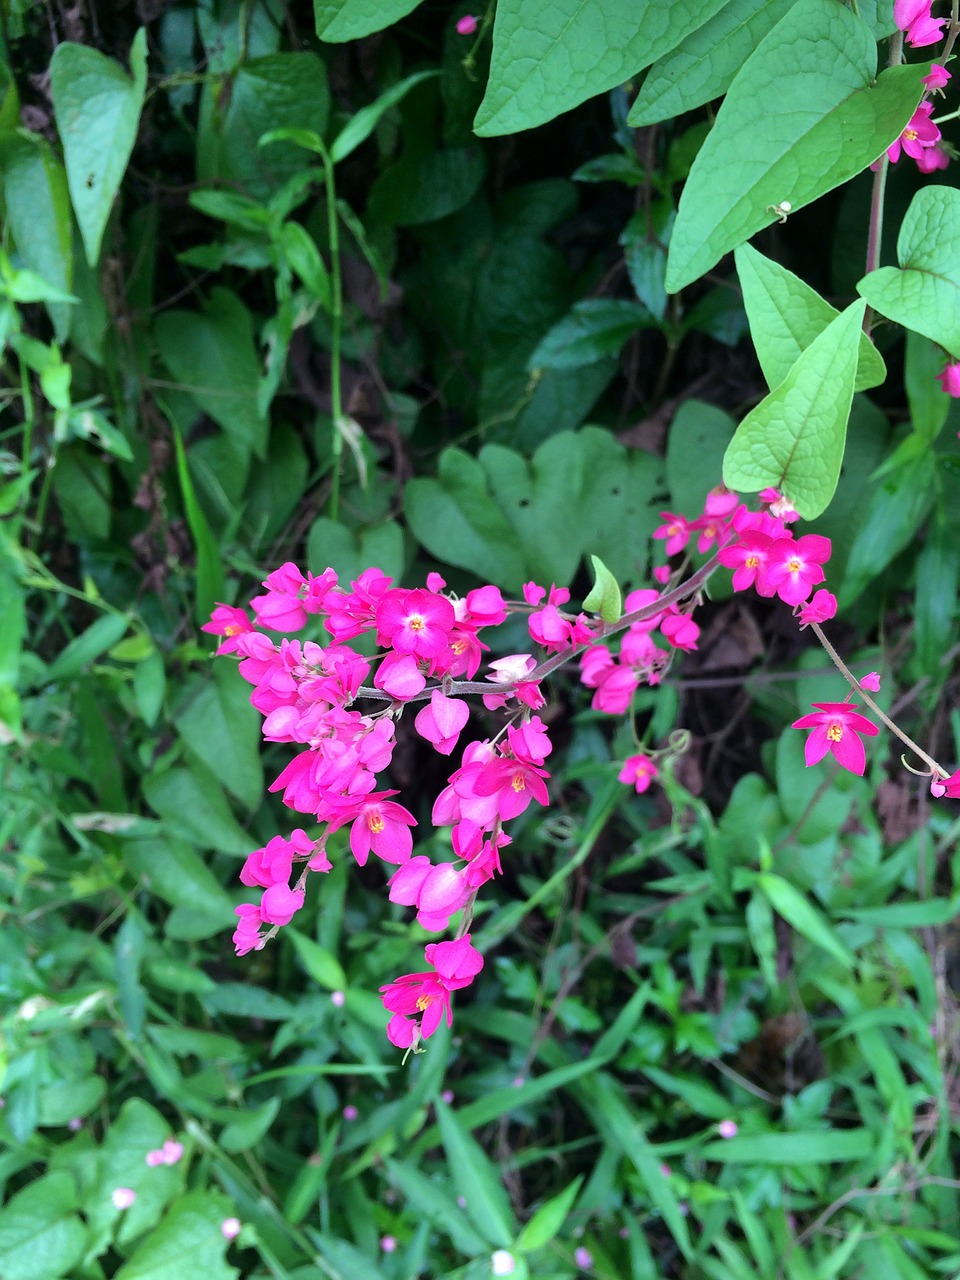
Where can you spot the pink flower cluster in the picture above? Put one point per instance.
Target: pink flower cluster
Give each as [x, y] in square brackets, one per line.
[913, 17]
[305, 691]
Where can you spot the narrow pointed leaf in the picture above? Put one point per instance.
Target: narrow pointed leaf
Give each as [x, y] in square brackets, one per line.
[806, 919]
[785, 316]
[548, 58]
[924, 294]
[815, 113]
[794, 438]
[97, 107]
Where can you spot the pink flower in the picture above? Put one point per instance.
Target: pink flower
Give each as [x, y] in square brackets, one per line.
[399, 675]
[747, 557]
[381, 826]
[933, 158]
[280, 904]
[676, 530]
[426, 996]
[680, 630]
[639, 771]
[913, 17]
[350, 1112]
[793, 567]
[122, 1197]
[937, 77]
[871, 681]
[919, 133]
[467, 25]
[228, 622]
[442, 721]
[389, 1243]
[836, 727]
[727, 1128]
[417, 622]
[949, 378]
[949, 787]
[821, 608]
[230, 1228]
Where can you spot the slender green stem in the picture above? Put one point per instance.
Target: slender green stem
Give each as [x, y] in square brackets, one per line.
[336, 328]
[854, 683]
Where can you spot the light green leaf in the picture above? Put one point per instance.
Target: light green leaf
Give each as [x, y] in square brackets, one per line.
[605, 597]
[192, 802]
[321, 964]
[341, 20]
[97, 108]
[431, 1201]
[89, 645]
[250, 1126]
[477, 1180]
[595, 328]
[815, 113]
[360, 126]
[333, 544]
[187, 1242]
[214, 358]
[220, 726]
[548, 1219]
[929, 403]
[549, 58]
[38, 214]
[703, 65]
[807, 920]
[785, 316]
[211, 584]
[824, 1146]
[925, 293]
[41, 1237]
[794, 438]
[702, 431]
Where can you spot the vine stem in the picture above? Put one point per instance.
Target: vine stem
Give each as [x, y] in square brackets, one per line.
[875, 230]
[460, 688]
[935, 768]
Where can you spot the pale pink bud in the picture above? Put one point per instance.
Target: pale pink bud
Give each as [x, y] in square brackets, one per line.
[503, 1263]
[122, 1197]
[388, 1244]
[337, 998]
[350, 1112]
[583, 1258]
[467, 25]
[230, 1228]
[727, 1128]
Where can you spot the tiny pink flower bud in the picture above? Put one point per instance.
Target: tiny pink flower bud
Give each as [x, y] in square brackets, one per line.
[503, 1263]
[583, 1258]
[230, 1228]
[337, 999]
[467, 25]
[350, 1112]
[388, 1244]
[871, 681]
[949, 378]
[462, 1201]
[75, 1124]
[447, 1096]
[122, 1197]
[153, 1158]
[666, 1170]
[937, 77]
[727, 1128]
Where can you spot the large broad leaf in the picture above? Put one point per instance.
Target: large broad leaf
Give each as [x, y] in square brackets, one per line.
[214, 357]
[219, 725]
[814, 113]
[548, 58]
[924, 294]
[702, 66]
[594, 328]
[41, 1236]
[509, 519]
[340, 20]
[97, 108]
[785, 316]
[188, 1242]
[38, 214]
[793, 440]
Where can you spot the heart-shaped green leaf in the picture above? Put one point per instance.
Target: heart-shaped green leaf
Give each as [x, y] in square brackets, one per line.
[785, 316]
[815, 114]
[924, 294]
[794, 438]
[97, 107]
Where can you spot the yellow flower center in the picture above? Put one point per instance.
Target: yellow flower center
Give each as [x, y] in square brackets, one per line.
[910, 134]
[376, 823]
[415, 622]
[835, 732]
[517, 782]
[424, 1002]
[795, 566]
[752, 562]
[232, 629]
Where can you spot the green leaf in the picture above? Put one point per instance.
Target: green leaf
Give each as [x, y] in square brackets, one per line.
[548, 1219]
[433, 1203]
[925, 293]
[322, 966]
[815, 113]
[221, 727]
[703, 65]
[360, 126]
[595, 328]
[938, 572]
[549, 58]
[906, 915]
[97, 108]
[334, 545]
[187, 1242]
[214, 358]
[192, 802]
[476, 1179]
[89, 645]
[250, 1127]
[700, 431]
[211, 585]
[793, 440]
[785, 316]
[38, 213]
[824, 1146]
[341, 20]
[929, 403]
[807, 920]
[605, 597]
[173, 871]
[424, 186]
[41, 1237]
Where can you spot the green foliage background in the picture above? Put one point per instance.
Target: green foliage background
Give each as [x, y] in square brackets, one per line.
[344, 286]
